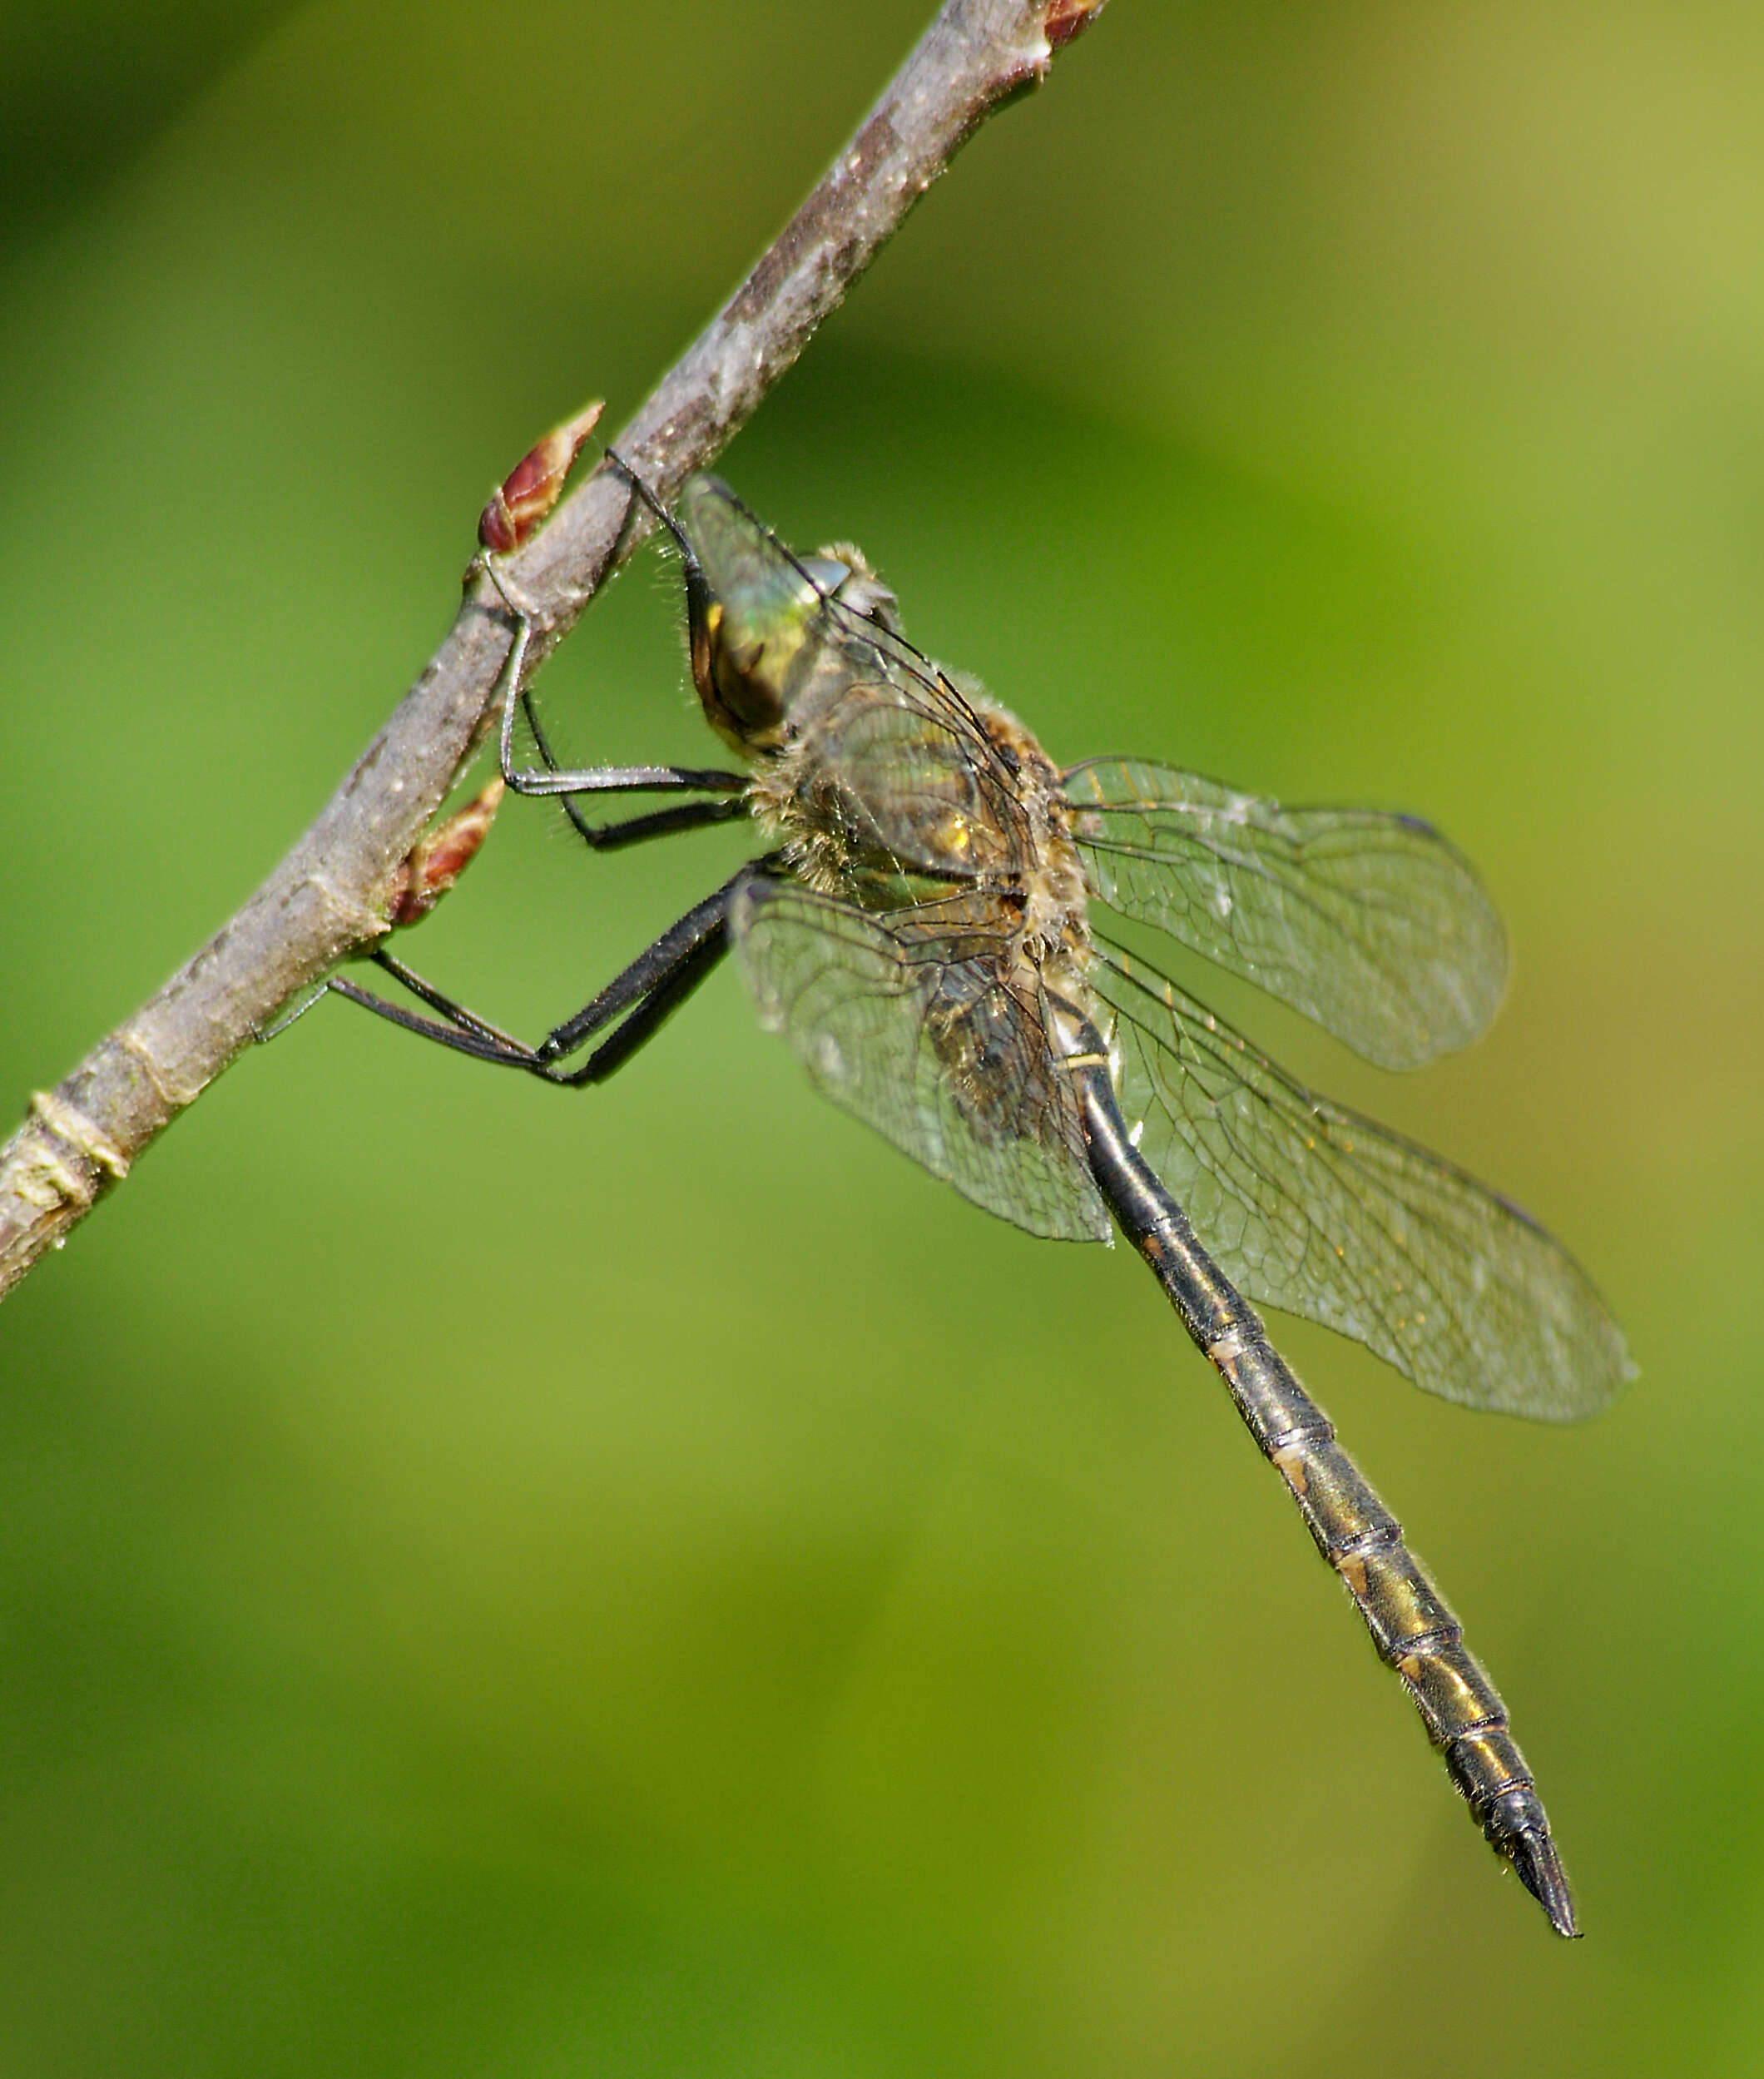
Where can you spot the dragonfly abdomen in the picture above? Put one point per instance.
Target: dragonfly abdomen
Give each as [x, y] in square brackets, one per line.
[1411, 1623]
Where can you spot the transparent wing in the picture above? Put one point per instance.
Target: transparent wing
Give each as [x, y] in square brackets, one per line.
[1312, 1208]
[914, 1031]
[1370, 924]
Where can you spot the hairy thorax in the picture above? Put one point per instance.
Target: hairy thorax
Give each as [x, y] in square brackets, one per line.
[891, 803]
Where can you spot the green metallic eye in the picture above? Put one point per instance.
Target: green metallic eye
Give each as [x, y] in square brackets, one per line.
[757, 614]
[748, 608]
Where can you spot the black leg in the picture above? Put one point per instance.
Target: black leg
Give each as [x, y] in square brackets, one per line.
[663, 823]
[707, 922]
[650, 1014]
[644, 995]
[556, 782]
[637, 830]
[455, 1013]
[470, 1039]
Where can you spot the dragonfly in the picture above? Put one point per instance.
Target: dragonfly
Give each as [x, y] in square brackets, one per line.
[931, 925]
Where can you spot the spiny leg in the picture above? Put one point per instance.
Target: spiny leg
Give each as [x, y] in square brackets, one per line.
[649, 1013]
[727, 800]
[499, 1046]
[553, 781]
[662, 822]
[644, 995]
[1411, 1623]
[465, 1033]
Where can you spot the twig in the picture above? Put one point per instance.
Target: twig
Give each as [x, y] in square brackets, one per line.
[330, 896]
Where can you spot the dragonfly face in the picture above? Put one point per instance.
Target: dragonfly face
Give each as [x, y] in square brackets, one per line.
[927, 927]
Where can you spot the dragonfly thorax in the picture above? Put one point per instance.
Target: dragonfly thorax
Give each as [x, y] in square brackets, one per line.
[892, 800]
[884, 782]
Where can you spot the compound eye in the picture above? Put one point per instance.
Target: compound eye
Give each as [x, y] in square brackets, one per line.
[756, 616]
[738, 690]
[826, 572]
[842, 573]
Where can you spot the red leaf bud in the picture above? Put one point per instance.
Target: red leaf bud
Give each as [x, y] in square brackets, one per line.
[438, 857]
[534, 485]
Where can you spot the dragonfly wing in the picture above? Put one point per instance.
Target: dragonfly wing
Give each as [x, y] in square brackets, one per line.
[1370, 924]
[1310, 1207]
[915, 1031]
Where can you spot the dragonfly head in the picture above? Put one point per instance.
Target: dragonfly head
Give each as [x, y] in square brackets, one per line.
[753, 610]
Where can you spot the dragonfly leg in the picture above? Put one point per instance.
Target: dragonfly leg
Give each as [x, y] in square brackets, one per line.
[620, 779]
[662, 822]
[646, 995]
[553, 781]
[557, 781]
[725, 790]
[464, 1032]
[1411, 1625]
[638, 1002]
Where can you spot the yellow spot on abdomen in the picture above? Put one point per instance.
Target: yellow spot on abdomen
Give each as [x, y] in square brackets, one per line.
[1291, 1466]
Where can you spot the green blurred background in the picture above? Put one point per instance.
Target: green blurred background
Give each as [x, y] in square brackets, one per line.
[649, 1583]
